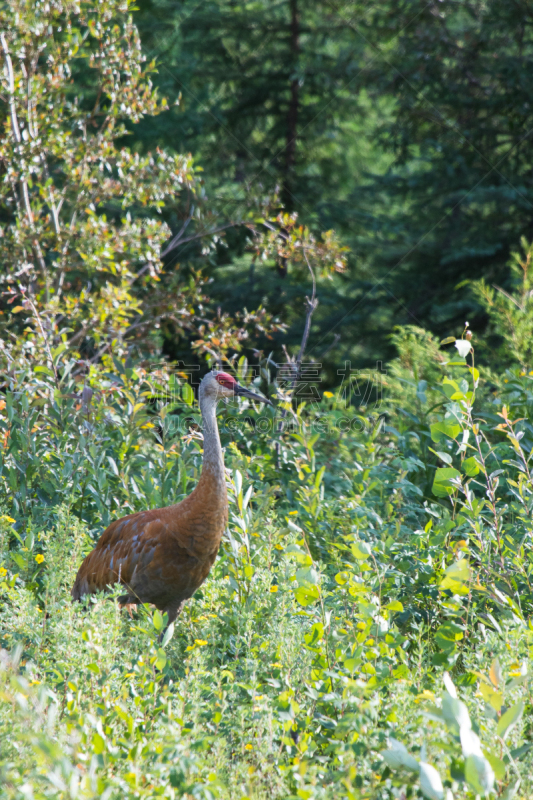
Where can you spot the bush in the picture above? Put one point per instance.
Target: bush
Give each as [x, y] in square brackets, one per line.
[365, 627]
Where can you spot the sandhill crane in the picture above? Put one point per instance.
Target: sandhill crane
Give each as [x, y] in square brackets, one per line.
[163, 555]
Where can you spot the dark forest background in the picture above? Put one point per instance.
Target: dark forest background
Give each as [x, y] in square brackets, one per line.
[406, 127]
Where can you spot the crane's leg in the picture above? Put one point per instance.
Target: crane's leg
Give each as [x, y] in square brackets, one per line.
[173, 610]
[129, 603]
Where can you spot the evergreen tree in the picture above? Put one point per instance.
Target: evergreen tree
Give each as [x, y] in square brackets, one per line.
[441, 195]
[267, 91]
[462, 185]
[269, 102]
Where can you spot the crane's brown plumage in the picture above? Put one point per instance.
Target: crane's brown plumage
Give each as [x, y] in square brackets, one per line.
[163, 555]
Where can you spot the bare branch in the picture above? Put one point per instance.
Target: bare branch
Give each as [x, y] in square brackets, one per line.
[508, 296]
[214, 355]
[310, 305]
[44, 336]
[336, 340]
[201, 235]
[18, 139]
[175, 241]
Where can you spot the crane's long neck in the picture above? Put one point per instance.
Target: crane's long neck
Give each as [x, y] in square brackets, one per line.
[213, 463]
[203, 515]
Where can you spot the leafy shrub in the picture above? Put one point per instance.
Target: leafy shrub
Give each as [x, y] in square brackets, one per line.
[361, 566]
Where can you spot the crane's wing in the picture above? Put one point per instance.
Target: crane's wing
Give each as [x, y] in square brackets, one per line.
[141, 551]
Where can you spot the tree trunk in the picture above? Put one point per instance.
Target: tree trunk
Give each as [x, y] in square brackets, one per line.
[292, 114]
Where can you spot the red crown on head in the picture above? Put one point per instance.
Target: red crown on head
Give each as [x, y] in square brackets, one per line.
[225, 379]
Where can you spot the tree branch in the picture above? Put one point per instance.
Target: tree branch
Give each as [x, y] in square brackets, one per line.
[169, 248]
[175, 241]
[310, 305]
[18, 139]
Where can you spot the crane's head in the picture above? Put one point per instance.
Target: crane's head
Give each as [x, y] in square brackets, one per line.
[222, 384]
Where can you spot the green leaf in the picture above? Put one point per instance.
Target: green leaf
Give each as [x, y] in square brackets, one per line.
[57, 351]
[470, 466]
[479, 774]
[315, 634]
[45, 371]
[187, 394]
[401, 673]
[450, 387]
[306, 595]
[361, 551]
[307, 575]
[456, 576]
[394, 605]
[161, 659]
[351, 664]
[447, 635]
[430, 782]
[511, 790]
[491, 696]
[455, 713]
[520, 752]
[442, 486]
[19, 560]
[98, 744]
[497, 765]
[421, 391]
[509, 719]
[446, 457]
[342, 577]
[169, 633]
[299, 555]
[397, 757]
[158, 620]
[440, 429]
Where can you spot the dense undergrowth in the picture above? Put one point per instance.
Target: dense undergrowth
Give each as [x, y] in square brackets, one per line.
[365, 631]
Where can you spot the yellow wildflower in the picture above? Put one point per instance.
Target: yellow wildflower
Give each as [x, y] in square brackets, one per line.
[274, 588]
[40, 558]
[425, 695]
[200, 642]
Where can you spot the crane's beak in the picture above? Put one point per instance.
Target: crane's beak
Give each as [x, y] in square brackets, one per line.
[241, 391]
